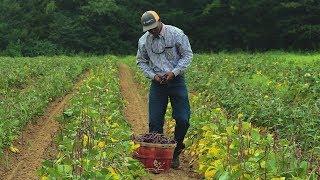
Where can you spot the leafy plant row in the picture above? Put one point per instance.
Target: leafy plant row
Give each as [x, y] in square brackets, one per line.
[29, 84]
[18, 74]
[275, 90]
[95, 142]
[224, 147]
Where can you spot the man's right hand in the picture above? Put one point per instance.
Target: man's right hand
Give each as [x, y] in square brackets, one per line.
[157, 78]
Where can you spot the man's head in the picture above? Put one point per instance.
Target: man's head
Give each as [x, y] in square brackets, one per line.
[151, 22]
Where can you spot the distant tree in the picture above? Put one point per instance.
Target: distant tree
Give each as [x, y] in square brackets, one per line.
[48, 27]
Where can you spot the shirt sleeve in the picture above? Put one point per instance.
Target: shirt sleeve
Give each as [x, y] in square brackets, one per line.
[186, 54]
[143, 61]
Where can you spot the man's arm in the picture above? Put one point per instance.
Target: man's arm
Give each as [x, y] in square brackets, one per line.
[184, 48]
[143, 62]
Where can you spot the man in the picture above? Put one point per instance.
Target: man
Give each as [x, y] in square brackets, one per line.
[163, 55]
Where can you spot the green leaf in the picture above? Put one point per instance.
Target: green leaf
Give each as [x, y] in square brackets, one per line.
[68, 112]
[225, 176]
[255, 135]
[304, 166]
[64, 169]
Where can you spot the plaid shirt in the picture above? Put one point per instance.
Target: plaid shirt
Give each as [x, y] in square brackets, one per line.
[170, 51]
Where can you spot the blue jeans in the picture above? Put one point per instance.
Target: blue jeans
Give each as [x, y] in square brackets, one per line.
[159, 95]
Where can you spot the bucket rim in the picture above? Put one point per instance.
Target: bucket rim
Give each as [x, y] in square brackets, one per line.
[156, 145]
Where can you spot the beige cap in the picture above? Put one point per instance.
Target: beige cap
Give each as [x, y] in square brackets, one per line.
[149, 20]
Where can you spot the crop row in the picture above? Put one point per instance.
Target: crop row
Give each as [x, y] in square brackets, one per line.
[27, 87]
[231, 148]
[95, 141]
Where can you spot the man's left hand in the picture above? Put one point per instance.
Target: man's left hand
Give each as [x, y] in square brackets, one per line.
[169, 75]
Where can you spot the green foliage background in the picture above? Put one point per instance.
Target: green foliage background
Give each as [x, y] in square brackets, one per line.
[49, 27]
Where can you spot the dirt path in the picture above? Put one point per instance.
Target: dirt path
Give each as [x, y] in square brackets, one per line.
[34, 142]
[136, 114]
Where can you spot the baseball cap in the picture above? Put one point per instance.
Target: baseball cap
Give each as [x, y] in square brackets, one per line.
[149, 20]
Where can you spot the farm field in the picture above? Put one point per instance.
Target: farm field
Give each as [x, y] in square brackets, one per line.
[274, 90]
[254, 116]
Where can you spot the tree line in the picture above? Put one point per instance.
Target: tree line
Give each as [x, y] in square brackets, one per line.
[49, 27]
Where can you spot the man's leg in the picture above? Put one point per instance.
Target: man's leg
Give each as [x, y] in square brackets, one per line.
[181, 113]
[158, 101]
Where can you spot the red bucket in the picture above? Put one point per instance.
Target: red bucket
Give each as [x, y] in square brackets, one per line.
[156, 158]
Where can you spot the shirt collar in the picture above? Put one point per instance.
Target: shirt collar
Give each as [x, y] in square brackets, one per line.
[162, 30]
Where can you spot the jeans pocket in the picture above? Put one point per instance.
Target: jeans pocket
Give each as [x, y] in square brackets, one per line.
[178, 81]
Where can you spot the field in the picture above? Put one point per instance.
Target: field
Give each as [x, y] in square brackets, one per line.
[254, 116]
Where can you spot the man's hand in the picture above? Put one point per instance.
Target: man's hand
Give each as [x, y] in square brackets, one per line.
[164, 78]
[157, 78]
[169, 76]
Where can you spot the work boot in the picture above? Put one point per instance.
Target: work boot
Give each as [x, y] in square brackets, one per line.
[175, 163]
[176, 160]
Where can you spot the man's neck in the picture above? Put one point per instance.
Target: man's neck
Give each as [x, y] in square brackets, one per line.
[161, 29]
